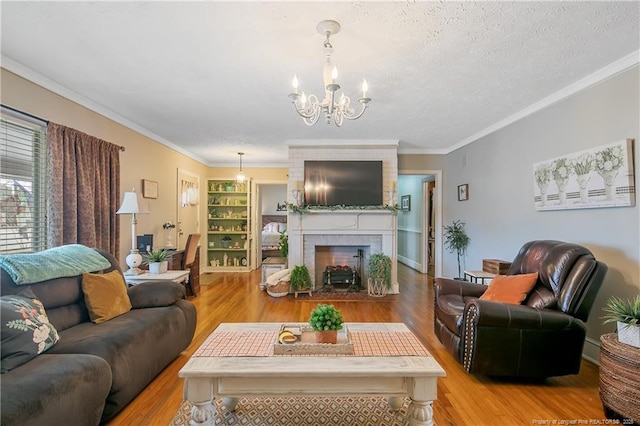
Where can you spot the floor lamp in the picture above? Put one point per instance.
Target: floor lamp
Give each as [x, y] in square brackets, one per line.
[130, 206]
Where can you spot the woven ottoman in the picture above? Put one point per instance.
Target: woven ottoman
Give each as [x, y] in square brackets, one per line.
[619, 373]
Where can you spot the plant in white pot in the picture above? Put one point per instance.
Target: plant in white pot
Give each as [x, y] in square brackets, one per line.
[626, 313]
[158, 261]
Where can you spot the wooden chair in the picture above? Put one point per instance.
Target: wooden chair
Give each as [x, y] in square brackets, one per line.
[189, 258]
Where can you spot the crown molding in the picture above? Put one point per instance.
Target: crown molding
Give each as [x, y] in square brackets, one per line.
[623, 64]
[28, 74]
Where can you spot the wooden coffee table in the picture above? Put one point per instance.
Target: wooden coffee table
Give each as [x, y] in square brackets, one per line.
[232, 377]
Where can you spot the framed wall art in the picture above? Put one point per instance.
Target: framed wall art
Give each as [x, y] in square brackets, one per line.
[149, 188]
[405, 203]
[598, 177]
[463, 192]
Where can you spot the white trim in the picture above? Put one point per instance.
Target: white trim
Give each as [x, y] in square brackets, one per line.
[410, 263]
[57, 88]
[599, 76]
[591, 345]
[324, 143]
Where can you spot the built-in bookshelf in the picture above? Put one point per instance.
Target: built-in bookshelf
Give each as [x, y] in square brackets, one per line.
[228, 226]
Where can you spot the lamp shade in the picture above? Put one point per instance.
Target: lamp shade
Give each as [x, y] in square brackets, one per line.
[129, 204]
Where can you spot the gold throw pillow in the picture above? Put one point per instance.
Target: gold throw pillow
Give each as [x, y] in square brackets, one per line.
[105, 296]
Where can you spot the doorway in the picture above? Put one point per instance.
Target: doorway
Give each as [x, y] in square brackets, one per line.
[188, 214]
[419, 238]
[270, 200]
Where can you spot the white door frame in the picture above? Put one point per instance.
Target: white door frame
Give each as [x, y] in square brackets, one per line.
[438, 211]
[256, 214]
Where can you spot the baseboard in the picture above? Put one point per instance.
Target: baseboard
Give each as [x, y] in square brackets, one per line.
[410, 263]
[591, 350]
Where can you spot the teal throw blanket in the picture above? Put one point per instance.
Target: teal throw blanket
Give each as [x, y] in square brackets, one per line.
[63, 261]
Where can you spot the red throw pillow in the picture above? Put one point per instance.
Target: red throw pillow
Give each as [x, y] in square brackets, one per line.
[510, 288]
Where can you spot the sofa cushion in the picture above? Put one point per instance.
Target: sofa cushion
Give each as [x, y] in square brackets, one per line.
[56, 390]
[155, 294]
[511, 289]
[105, 296]
[137, 346]
[25, 329]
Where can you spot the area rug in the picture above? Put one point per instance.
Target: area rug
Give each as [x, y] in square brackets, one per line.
[310, 411]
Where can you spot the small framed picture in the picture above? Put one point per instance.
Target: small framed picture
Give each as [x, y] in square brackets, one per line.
[405, 203]
[149, 189]
[463, 192]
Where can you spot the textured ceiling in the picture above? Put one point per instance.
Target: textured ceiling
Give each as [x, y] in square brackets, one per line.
[212, 78]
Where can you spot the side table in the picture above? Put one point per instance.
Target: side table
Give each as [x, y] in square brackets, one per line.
[175, 276]
[474, 276]
[619, 369]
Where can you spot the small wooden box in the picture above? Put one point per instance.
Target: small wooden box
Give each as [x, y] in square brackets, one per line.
[495, 266]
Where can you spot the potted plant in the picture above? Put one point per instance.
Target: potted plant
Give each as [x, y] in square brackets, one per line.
[157, 260]
[326, 320]
[626, 314]
[228, 186]
[457, 241]
[283, 244]
[226, 241]
[379, 274]
[300, 278]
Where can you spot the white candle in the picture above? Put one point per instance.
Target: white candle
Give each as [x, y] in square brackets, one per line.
[365, 87]
[334, 74]
[295, 84]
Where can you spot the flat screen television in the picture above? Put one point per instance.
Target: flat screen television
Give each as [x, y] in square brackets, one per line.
[349, 183]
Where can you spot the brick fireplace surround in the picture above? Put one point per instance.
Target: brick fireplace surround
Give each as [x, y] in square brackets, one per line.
[374, 229]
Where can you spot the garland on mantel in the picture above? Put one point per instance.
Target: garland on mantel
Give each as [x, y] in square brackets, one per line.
[310, 209]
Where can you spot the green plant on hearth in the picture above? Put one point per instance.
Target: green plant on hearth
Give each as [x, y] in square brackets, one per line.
[626, 311]
[380, 268]
[457, 241]
[300, 277]
[283, 244]
[154, 256]
[325, 318]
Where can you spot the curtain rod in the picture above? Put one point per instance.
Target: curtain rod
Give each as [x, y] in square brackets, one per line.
[35, 117]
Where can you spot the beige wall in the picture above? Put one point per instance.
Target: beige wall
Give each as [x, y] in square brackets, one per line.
[415, 162]
[143, 158]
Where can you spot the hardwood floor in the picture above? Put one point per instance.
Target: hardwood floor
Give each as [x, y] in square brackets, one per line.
[463, 399]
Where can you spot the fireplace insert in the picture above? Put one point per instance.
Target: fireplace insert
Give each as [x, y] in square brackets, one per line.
[340, 277]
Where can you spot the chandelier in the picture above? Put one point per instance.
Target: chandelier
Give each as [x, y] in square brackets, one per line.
[311, 108]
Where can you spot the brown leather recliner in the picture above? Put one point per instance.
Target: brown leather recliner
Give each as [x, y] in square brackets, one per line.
[544, 336]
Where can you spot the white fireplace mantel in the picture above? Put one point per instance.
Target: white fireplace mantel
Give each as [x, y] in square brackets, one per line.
[376, 228]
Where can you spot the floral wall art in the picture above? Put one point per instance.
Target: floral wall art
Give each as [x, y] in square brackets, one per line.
[598, 177]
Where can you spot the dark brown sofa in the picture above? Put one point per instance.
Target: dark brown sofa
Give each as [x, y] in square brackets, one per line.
[544, 336]
[95, 370]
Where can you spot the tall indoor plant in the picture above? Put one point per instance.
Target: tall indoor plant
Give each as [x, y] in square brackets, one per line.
[626, 314]
[457, 241]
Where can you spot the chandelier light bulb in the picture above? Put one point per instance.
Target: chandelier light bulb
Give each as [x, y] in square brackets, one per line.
[331, 108]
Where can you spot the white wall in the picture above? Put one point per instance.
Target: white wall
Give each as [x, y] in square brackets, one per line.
[270, 196]
[500, 214]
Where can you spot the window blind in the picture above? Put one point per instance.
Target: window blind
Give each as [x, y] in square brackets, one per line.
[23, 162]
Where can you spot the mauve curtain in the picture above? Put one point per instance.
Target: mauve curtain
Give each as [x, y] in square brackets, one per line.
[83, 190]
